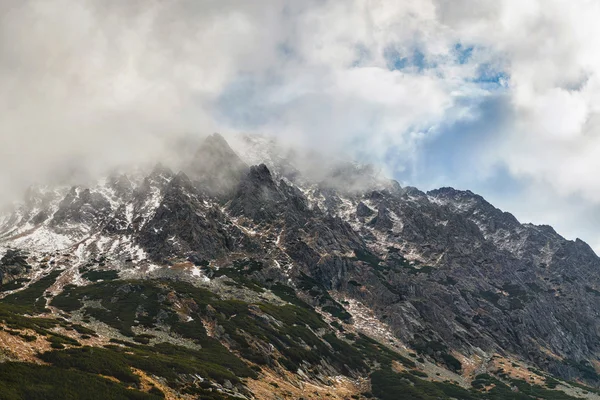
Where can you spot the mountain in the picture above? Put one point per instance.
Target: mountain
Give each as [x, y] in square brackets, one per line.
[260, 272]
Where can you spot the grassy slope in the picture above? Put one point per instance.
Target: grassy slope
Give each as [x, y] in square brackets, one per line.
[300, 336]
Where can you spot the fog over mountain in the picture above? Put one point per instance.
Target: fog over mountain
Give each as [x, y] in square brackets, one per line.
[497, 97]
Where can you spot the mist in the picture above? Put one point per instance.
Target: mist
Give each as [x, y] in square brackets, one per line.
[87, 86]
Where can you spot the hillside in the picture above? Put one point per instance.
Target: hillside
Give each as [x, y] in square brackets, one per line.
[256, 272]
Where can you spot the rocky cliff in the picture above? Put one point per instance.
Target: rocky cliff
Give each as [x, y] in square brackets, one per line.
[247, 274]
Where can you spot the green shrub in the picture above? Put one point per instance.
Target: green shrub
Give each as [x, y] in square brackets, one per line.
[30, 300]
[29, 338]
[23, 381]
[93, 359]
[388, 385]
[98, 275]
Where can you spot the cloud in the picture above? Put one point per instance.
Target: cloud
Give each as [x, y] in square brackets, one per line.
[550, 53]
[93, 84]
[435, 91]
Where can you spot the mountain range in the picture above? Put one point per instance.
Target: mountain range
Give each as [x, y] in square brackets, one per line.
[262, 272]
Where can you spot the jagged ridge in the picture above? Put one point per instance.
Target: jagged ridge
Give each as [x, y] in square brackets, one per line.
[443, 273]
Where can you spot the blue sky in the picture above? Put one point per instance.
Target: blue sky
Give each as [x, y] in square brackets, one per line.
[478, 99]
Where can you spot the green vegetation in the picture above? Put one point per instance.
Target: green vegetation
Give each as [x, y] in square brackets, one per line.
[450, 281]
[290, 328]
[299, 334]
[124, 303]
[463, 322]
[492, 297]
[83, 330]
[168, 361]
[583, 387]
[394, 263]
[398, 263]
[418, 373]
[376, 352]
[58, 341]
[93, 359]
[31, 300]
[515, 389]
[15, 321]
[534, 286]
[288, 294]
[23, 381]
[517, 296]
[592, 290]
[388, 385]
[240, 273]
[551, 382]
[366, 257]
[96, 275]
[29, 338]
[347, 354]
[130, 303]
[13, 285]
[143, 338]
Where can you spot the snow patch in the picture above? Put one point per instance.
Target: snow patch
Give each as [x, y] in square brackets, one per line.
[42, 239]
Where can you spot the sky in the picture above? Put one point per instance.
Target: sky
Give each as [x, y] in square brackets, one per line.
[500, 97]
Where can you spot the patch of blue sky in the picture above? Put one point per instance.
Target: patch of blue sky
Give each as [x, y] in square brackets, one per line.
[500, 185]
[416, 59]
[452, 151]
[491, 77]
[463, 53]
[487, 76]
[413, 59]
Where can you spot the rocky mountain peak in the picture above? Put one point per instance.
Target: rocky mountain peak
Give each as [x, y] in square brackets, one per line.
[121, 184]
[241, 264]
[160, 174]
[261, 175]
[489, 218]
[181, 180]
[257, 195]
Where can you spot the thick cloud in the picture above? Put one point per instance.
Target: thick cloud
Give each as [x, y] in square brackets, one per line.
[89, 84]
[107, 82]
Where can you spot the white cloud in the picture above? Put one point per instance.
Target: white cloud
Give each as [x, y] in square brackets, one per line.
[107, 82]
[96, 80]
[551, 53]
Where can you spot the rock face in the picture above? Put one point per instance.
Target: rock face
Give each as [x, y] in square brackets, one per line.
[184, 224]
[12, 265]
[444, 270]
[81, 207]
[258, 197]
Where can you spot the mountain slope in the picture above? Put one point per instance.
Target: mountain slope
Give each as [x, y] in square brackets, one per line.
[263, 281]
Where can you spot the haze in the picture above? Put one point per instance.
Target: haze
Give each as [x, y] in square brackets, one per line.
[500, 97]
